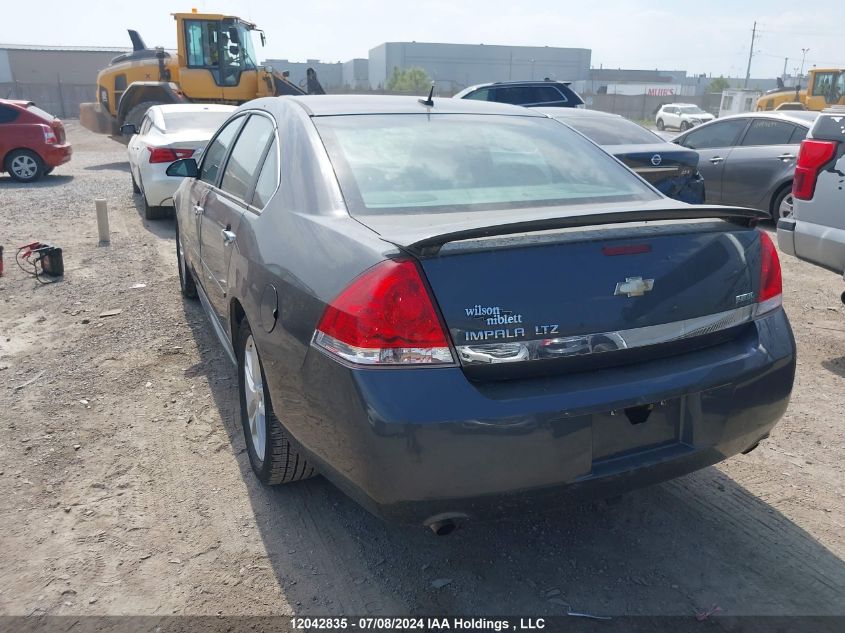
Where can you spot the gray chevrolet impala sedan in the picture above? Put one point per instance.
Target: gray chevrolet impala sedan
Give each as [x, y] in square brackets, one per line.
[454, 309]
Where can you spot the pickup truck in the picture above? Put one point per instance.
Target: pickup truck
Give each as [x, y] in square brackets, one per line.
[816, 230]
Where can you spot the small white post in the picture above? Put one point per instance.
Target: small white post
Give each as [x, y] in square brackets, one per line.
[102, 219]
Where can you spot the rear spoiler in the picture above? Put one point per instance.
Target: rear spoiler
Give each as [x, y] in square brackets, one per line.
[430, 245]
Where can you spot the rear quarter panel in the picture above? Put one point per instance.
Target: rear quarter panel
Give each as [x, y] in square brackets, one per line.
[293, 258]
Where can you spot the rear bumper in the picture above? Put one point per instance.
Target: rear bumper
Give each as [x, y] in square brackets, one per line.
[55, 155]
[412, 445]
[688, 189]
[816, 243]
[157, 185]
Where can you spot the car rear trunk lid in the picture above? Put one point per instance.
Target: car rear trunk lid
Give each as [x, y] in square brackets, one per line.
[655, 163]
[600, 291]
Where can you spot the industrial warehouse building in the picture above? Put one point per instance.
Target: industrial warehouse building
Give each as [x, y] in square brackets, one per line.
[58, 79]
[455, 66]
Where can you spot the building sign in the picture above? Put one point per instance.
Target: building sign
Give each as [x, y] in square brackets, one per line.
[651, 90]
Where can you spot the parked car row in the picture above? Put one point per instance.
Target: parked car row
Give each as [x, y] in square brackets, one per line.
[357, 254]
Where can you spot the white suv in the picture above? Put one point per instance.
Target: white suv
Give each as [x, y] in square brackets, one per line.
[816, 230]
[681, 116]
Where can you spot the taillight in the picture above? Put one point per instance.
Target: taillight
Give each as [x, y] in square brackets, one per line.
[167, 154]
[811, 158]
[49, 134]
[771, 283]
[385, 317]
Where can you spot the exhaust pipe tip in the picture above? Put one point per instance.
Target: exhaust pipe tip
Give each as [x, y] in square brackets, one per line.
[443, 528]
[446, 523]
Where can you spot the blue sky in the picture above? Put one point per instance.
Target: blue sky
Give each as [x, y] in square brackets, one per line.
[710, 36]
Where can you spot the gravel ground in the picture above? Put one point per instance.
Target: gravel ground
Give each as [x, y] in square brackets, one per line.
[127, 488]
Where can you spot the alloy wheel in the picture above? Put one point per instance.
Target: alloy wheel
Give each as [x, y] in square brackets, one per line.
[786, 206]
[24, 167]
[254, 396]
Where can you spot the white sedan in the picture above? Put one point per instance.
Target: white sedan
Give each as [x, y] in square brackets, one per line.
[168, 133]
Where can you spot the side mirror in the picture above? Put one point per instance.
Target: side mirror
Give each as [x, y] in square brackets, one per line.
[128, 129]
[183, 168]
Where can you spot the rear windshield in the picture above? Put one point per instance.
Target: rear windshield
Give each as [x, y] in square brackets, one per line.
[611, 130]
[203, 121]
[39, 112]
[450, 162]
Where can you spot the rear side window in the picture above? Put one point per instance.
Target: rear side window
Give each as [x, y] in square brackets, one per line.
[798, 135]
[482, 94]
[8, 114]
[268, 179]
[40, 113]
[722, 134]
[216, 153]
[768, 132]
[243, 164]
[519, 95]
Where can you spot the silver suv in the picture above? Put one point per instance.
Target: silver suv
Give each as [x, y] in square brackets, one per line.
[681, 116]
[816, 230]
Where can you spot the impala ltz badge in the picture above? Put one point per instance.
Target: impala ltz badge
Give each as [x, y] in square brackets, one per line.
[634, 287]
[656, 160]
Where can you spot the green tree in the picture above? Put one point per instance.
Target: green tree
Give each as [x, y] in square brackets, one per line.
[719, 84]
[414, 80]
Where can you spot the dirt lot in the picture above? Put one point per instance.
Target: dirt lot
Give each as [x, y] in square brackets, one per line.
[126, 488]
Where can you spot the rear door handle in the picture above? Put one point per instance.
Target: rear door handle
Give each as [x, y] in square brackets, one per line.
[786, 156]
[198, 209]
[228, 236]
[716, 160]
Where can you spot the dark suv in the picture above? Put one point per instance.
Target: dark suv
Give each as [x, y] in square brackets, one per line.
[556, 94]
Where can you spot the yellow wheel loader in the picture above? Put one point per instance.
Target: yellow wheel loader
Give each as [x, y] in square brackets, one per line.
[215, 62]
[826, 87]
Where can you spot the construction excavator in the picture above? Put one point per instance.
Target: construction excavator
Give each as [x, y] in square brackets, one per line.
[215, 62]
[825, 88]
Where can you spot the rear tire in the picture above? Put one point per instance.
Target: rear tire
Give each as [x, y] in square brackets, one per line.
[154, 213]
[48, 171]
[136, 114]
[186, 279]
[151, 212]
[273, 458]
[782, 204]
[661, 125]
[24, 166]
[135, 187]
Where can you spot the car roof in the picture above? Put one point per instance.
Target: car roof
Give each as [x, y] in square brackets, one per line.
[332, 105]
[802, 117]
[577, 113]
[17, 102]
[172, 108]
[680, 105]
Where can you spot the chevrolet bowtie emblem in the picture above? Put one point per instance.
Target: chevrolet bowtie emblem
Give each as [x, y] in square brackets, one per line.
[634, 286]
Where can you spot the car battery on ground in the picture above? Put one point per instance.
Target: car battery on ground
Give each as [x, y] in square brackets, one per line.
[45, 259]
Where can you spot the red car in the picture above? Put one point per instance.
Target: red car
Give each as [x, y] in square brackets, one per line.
[32, 142]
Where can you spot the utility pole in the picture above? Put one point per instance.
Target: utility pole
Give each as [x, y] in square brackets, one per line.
[750, 54]
[785, 62]
[803, 57]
